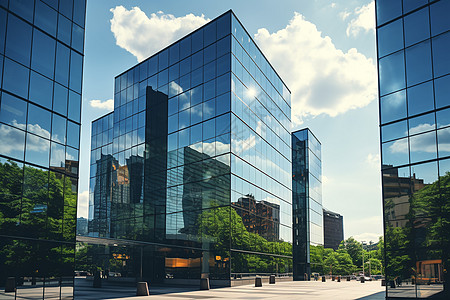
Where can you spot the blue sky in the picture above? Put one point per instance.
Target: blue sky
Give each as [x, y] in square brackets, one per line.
[324, 50]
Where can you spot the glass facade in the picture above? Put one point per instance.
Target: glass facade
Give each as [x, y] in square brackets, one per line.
[194, 162]
[41, 63]
[413, 39]
[333, 229]
[306, 199]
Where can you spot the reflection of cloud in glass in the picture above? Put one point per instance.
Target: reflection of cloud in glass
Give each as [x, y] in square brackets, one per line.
[175, 88]
[422, 142]
[37, 129]
[58, 157]
[37, 144]
[11, 139]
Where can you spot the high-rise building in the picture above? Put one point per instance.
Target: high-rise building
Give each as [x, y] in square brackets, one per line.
[191, 173]
[333, 229]
[306, 199]
[413, 39]
[41, 64]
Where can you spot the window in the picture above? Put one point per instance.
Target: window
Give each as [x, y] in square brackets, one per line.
[392, 73]
[41, 90]
[441, 59]
[418, 63]
[18, 40]
[417, 26]
[17, 80]
[62, 64]
[45, 18]
[43, 57]
[39, 121]
[76, 69]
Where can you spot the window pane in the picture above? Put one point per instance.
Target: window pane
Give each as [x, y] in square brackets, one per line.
[41, 90]
[45, 18]
[74, 110]
[388, 10]
[39, 121]
[79, 11]
[418, 63]
[62, 64]
[43, 56]
[409, 5]
[443, 118]
[417, 27]
[73, 134]
[441, 59]
[59, 129]
[390, 38]
[422, 123]
[439, 17]
[442, 90]
[17, 80]
[64, 30]
[420, 98]
[395, 153]
[209, 129]
[58, 156]
[443, 136]
[60, 99]
[23, 8]
[77, 38]
[18, 40]
[76, 69]
[2, 30]
[66, 8]
[13, 111]
[13, 141]
[393, 107]
[392, 73]
[423, 147]
[394, 131]
[38, 150]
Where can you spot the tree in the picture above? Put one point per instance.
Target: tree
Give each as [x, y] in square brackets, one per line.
[354, 249]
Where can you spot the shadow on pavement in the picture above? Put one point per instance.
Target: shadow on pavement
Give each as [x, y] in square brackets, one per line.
[84, 290]
[376, 296]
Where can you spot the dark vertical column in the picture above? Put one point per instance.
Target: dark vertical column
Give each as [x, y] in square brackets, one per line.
[155, 173]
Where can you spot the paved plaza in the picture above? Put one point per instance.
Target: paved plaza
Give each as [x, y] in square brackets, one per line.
[282, 290]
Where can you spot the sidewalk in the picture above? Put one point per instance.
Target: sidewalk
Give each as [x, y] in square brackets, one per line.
[282, 290]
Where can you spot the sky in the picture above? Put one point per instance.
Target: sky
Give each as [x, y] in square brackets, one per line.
[323, 50]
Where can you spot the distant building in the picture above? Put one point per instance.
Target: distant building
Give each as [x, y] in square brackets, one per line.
[306, 199]
[82, 226]
[333, 229]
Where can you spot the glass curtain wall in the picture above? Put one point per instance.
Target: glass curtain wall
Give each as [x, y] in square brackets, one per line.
[182, 146]
[307, 200]
[413, 39]
[41, 63]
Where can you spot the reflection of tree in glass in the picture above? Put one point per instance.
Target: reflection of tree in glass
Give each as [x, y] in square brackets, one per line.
[37, 213]
[216, 223]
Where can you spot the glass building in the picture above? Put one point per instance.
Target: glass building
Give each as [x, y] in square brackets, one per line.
[306, 199]
[41, 63]
[413, 41]
[333, 229]
[191, 173]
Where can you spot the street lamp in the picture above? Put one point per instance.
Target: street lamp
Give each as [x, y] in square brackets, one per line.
[363, 244]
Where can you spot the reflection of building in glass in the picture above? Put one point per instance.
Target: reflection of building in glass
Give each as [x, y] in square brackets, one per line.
[195, 128]
[333, 229]
[307, 199]
[41, 63]
[413, 38]
[82, 226]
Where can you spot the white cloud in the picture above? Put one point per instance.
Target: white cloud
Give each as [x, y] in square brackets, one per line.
[374, 160]
[333, 5]
[364, 20]
[143, 36]
[83, 204]
[367, 237]
[323, 79]
[344, 15]
[107, 104]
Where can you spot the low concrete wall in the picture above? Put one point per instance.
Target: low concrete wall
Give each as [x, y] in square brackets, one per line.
[251, 280]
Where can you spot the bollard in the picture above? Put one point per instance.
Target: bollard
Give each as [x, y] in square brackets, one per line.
[10, 286]
[97, 280]
[142, 289]
[323, 279]
[332, 278]
[392, 284]
[362, 279]
[339, 279]
[348, 278]
[258, 281]
[204, 283]
[383, 282]
[272, 279]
